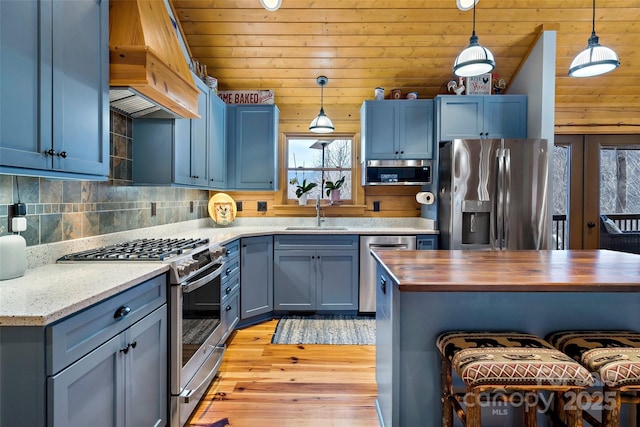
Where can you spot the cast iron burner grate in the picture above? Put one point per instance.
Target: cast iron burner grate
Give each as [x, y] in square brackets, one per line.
[138, 250]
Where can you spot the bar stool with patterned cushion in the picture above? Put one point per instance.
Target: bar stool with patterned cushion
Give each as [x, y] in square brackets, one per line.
[614, 357]
[509, 365]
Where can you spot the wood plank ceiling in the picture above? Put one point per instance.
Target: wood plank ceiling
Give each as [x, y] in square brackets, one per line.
[411, 45]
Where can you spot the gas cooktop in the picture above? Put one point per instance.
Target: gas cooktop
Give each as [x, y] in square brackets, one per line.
[139, 250]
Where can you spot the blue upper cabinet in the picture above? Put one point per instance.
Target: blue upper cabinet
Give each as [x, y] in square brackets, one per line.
[480, 116]
[217, 143]
[252, 147]
[54, 111]
[397, 129]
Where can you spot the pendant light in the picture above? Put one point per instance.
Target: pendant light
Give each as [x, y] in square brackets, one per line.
[595, 59]
[475, 60]
[322, 123]
[465, 5]
[271, 5]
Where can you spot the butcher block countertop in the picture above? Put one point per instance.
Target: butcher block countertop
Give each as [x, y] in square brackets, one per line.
[512, 271]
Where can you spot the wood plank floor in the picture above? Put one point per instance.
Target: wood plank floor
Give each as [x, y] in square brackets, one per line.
[264, 384]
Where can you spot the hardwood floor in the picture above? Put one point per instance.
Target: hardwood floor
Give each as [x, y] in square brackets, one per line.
[264, 384]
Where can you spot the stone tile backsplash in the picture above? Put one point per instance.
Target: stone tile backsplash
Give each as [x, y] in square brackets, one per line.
[59, 210]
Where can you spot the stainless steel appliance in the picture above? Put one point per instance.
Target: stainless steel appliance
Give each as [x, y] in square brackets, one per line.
[397, 172]
[368, 281]
[196, 338]
[494, 194]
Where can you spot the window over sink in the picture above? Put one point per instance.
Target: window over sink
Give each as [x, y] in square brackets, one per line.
[323, 160]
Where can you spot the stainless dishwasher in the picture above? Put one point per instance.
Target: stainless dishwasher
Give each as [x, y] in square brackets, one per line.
[368, 264]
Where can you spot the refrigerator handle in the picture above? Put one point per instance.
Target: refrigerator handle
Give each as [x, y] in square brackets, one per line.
[498, 201]
[506, 196]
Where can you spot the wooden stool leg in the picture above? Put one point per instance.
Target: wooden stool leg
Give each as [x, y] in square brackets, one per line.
[446, 391]
[474, 409]
[611, 407]
[530, 413]
[574, 414]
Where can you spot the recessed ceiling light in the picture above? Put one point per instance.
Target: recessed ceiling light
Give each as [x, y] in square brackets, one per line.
[466, 4]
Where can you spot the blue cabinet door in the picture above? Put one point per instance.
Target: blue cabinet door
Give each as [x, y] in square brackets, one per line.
[146, 371]
[294, 280]
[80, 86]
[200, 138]
[480, 116]
[253, 145]
[505, 116]
[379, 130]
[397, 129]
[337, 280]
[21, 111]
[415, 140]
[91, 391]
[217, 143]
[256, 271]
[54, 112]
[427, 242]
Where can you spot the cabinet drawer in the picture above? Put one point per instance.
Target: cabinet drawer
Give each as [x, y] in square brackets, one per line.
[229, 285]
[233, 249]
[230, 313]
[78, 334]
[231, 267]
[315, 241]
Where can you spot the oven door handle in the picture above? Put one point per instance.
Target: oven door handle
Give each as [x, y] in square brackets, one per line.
[192, 286]
[187, 393]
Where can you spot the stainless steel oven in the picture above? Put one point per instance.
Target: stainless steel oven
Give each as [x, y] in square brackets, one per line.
[196, 339]
[197, 330]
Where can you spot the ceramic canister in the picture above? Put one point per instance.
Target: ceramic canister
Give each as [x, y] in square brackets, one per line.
[13, 256]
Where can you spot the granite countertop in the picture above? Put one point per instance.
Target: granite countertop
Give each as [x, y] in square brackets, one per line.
[512, 271]
[47, 294]
[49, 291]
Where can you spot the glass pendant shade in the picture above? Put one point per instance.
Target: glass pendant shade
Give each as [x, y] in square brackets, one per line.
[271, 5]
[322, 123]
[594, 60]
[475, 59]
[465, 5]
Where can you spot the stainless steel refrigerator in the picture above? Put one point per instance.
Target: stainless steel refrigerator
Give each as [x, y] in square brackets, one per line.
[494, 194]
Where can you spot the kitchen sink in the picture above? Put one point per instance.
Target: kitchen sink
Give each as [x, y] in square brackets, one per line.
[312, 228]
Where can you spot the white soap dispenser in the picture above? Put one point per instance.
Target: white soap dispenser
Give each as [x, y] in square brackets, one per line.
[13, 251]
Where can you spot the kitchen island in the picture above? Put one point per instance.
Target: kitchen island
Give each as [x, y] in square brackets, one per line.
[423, 293]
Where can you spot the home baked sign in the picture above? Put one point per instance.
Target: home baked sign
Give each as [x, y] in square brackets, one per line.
[246, 96]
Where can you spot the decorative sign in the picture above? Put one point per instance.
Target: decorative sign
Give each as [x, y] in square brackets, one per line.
[479, 85]
[246, 96]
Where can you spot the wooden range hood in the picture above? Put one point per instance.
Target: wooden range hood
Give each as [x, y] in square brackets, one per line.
[149, 75]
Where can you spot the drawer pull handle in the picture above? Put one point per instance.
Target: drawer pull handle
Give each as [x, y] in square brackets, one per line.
[227, 291]
[121, 312]
[227, 271]
[383, 285]
[126, 349]
[228, 308]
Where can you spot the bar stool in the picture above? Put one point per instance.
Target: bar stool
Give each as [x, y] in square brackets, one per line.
[510, 366]
[614, 357]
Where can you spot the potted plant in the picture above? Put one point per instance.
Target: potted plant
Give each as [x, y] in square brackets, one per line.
[302, 191]
[333, 189]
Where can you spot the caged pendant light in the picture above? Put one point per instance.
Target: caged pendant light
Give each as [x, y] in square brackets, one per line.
[322, 123]
[475, 60]
[595, 59]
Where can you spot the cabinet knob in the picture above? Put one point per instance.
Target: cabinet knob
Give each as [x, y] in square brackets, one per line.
[383, 285]
[227, 291]
[49, 152]
[591, 224]
[228, 308]
[62, 154]
[121, 312]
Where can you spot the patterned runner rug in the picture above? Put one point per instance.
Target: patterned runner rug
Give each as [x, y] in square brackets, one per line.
[325, 329]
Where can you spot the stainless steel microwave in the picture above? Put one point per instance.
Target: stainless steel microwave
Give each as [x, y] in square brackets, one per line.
[397, 172]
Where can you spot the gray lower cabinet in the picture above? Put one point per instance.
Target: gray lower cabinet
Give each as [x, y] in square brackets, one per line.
[103, 366]
[256, 270]
[315, 272]
[427, 242]
[54, 106]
